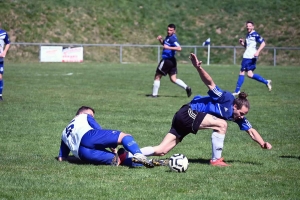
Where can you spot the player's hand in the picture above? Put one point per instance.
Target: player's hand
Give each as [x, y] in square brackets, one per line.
[256, 54]
[113, 150]
[196, 63]
[266, 145]
[159, 37]
[241, 40]
[61, 159]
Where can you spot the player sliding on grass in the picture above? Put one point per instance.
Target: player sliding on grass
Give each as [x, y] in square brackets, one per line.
[208, 112]
[85, 138]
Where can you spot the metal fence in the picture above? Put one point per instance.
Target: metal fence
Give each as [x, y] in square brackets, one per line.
[227, 55]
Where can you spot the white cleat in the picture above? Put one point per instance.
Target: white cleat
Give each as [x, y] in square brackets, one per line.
[269, 85]
[236, 93]
[140, 158]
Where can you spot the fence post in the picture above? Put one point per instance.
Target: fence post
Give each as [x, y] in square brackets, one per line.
[121, 56]
[234, 55]
[274, 61]
[158, 54]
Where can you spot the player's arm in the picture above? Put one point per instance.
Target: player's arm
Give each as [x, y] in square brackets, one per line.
[257, 138]
[205, 77]
[177, 48]
[161, 41]
[63, 152]
[3, 54]
[262, 45]
[242, 42]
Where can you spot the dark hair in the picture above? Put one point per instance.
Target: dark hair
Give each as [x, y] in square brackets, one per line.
[172, 26]
[83, 108]
[249, 22]
[241, 101]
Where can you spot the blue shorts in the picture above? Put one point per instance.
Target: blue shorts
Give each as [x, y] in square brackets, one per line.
[93, 146]
[248, 64]
[1, 67]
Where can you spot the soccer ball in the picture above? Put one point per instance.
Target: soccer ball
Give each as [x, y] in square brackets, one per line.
[178, 163]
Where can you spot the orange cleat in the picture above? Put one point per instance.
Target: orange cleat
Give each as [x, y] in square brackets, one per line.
[219, 162]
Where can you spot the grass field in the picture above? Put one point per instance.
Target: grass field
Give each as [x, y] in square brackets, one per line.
[41, 98]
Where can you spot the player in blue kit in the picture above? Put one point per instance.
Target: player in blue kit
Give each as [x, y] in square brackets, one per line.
[4, 46]
[208, 112]
[250, 57]
[85, 138]
[168, 63]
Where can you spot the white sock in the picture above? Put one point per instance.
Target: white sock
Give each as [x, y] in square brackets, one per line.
[180, 83]
[217, 141]
[146, 151]
[156, 85]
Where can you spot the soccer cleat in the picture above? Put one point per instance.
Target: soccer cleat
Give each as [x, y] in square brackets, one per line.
[236, 93]
[188, 91]
[115, 160]
[219, 162]
[1, 99]
[269, 85]
[162, 162]
[140, 158]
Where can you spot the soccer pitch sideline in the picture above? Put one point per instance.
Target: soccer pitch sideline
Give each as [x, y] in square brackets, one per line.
[41, 98]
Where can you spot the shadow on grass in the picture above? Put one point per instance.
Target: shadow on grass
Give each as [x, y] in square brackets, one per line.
[295, 157]
[74, 160]
[206, 161]
[161, 96]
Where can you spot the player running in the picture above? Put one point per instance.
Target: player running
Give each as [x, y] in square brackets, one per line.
[168, 63]
[250, 57]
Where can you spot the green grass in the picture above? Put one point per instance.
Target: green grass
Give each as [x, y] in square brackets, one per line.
[40, 99]
[141, 21]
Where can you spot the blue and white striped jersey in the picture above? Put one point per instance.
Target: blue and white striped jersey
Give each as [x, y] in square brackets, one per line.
[251, 40]
[171, 41]
[220, 104]
[72, 134]
[4, 39]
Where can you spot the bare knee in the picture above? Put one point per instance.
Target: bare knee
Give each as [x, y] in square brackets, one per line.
[222, 127]
[250, 74]
[121, 136]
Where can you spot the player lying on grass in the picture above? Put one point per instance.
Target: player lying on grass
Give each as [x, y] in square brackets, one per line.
[85, 138]
[208, 112]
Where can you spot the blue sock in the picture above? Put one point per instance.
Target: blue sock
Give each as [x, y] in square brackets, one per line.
[239, 83]
[259, 78]
[130, 145]
[1, 86]
[128, 162]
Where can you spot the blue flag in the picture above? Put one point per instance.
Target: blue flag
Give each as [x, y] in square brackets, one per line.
[207, 42]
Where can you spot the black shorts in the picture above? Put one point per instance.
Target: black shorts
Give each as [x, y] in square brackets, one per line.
[167, 66]
[186, 121]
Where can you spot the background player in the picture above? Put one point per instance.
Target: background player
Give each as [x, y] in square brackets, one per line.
[4, 46]
[85, 138]
[168, 63]
[250, 57]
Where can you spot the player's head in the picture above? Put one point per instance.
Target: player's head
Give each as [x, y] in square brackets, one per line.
[85, 110]
[249, 26]
[241, 106]
[171, 29]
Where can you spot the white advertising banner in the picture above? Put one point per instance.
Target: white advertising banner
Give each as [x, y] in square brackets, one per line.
[74, 54]
[51, 54]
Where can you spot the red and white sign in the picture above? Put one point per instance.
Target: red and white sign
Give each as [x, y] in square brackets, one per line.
[72, 54]
[58, 54]
[51, 54]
